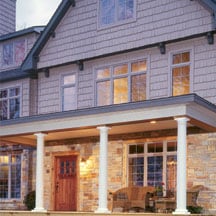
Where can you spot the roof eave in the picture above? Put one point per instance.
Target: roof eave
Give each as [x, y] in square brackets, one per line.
[211, 6]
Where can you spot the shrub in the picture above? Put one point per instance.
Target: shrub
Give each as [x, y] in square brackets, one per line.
[195, 209]
[29, 200]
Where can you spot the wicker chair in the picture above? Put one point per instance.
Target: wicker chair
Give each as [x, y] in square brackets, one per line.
[132, 197]
[192, 195]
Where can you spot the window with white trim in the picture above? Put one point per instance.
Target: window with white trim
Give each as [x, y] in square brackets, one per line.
[121, 83]
[69, 99]
[10, 176]
[10, 103]
[153, 163]
[115, 11]
[180, 73]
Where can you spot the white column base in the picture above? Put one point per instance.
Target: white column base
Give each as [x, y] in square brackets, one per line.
[181, 212]
[39, 210]
[102, 210]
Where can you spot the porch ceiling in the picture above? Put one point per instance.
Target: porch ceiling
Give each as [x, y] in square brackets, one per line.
[122, 118]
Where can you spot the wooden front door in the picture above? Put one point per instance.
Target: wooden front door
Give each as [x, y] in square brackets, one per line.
[65, 183]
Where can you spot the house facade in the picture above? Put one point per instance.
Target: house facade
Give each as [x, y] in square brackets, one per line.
[108, 96]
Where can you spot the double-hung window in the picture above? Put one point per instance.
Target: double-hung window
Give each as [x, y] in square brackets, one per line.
[10, 176]
[121, 83]
[181, 73]
[115, 11]
[153, 164]
[69, 92]
[9, 103]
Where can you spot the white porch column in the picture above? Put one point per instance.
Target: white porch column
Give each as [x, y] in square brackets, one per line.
[102, 193]
[181, 166]
[39, 202]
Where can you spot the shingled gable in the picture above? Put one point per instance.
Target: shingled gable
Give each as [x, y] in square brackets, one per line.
[17, 73]
[30, 63]
[211, 6]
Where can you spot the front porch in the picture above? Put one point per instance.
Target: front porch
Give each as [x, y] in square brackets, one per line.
[51, 213]
[100, 135]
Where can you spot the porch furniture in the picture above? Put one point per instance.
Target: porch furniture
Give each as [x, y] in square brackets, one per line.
[165, 205]
[192, 195]
[168, 204]
[134, 197]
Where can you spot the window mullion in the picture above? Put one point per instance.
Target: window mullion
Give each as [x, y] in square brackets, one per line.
[129, 83]
[9, 178]
[111, 87]
[145, 164]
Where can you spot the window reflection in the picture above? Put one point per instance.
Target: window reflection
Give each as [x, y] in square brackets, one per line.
[181, 74]
[121, 84]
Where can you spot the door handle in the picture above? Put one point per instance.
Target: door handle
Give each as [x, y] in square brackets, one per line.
[57, 186]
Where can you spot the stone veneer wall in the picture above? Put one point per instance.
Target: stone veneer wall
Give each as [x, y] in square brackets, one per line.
[88, 176]
[201, 163]
[201, 168]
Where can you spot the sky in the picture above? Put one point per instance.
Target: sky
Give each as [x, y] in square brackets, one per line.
[34, 12]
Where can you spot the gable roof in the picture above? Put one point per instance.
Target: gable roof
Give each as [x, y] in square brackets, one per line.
[17, 73]
[31, 59]
[30, 63]
[20, 33]
[211, 6]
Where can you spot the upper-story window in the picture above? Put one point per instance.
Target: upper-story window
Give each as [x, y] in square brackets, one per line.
[121, 83]
[69, 92]
[114, 11]
[13, 53]
[10, 103]
[181, 73]
[10, 176]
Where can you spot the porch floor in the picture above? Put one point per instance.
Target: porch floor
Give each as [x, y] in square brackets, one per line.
[52, 213]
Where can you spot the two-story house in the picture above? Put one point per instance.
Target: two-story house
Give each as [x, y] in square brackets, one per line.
[112, 94]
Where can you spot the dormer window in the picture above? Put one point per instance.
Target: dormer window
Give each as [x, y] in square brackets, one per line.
[13, 53]
[115, 11]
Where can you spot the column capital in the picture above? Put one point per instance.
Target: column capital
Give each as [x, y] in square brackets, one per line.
[182, 119]
[40, 134]
[103, 128]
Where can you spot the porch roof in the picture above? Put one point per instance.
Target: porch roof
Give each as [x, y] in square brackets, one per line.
[123, 118]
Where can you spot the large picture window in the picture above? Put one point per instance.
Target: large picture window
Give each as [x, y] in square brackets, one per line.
[153, 164]
[114, 11]
[9, 103]
[69, 92]
[121, 83]
[10, 176]
[181, 73]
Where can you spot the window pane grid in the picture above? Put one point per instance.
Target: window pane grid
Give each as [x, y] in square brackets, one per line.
[159, 158]
[136, 170]
[10, 103]
[115, 11]
[69, 92]
[10, 176]
[181, 73]
[126, 83]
